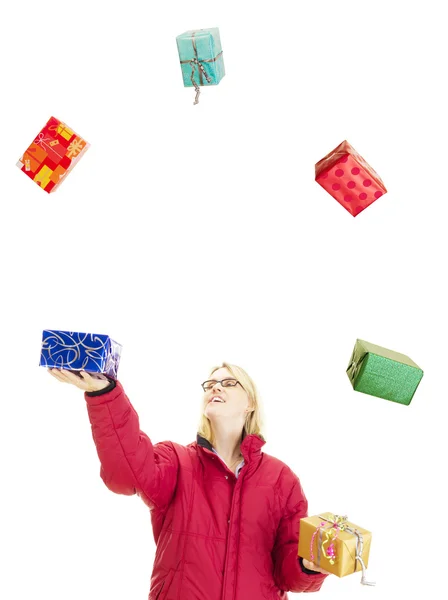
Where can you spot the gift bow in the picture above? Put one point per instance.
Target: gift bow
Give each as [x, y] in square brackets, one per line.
[43, 141]
[331, 534]
[75, 147]
[197, 64]
[337, 524]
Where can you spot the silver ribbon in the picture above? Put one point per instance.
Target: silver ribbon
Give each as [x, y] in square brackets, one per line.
[195, 63]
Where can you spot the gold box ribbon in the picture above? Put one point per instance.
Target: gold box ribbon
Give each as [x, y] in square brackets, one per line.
[337, 524]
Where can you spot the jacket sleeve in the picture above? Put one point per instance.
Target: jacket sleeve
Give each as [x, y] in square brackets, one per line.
[289, 573]
[130, 463]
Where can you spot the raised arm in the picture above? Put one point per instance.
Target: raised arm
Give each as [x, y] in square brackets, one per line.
[130, 463]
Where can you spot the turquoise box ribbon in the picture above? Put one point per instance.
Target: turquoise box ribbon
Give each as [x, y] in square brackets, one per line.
[200, 55]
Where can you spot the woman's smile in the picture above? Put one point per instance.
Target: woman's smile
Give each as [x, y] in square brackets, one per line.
[217, 399]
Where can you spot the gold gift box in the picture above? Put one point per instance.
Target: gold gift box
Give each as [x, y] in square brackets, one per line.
[347, 544]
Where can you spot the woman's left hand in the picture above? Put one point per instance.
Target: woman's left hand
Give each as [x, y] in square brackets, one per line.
[312, 567]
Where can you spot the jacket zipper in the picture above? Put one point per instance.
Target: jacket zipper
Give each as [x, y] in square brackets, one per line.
[238, 484]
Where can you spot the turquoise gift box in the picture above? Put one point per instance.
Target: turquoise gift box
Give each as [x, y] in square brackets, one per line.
[201, 59]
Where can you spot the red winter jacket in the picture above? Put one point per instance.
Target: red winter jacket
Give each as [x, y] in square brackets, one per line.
[218, 537]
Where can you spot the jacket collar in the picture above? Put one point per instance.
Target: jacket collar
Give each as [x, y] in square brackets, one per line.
[250, 446]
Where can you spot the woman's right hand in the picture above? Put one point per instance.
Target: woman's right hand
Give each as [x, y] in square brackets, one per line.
[88, 382]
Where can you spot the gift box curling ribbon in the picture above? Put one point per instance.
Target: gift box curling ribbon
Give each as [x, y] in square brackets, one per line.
[339, 523]
[196, 63]
[331, 536]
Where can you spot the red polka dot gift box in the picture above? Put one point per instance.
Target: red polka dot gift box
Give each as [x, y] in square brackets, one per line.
[53, 153]
[346, 176]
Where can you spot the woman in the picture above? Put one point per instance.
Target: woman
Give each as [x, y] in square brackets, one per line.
[225, 515]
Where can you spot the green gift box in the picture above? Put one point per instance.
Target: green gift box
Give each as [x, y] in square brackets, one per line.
[383, 373]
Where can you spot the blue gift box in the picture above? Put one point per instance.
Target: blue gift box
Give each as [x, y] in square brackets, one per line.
[75, 351]
[200, 55]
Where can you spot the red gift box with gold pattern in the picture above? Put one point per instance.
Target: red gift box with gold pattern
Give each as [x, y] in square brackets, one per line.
[346, 176]
[53, 153]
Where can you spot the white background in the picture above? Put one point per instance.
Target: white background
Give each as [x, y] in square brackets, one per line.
[196, 234]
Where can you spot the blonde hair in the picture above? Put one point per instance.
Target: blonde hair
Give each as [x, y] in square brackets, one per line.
[253, 423]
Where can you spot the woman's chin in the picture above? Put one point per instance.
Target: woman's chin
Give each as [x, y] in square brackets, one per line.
[211, 412]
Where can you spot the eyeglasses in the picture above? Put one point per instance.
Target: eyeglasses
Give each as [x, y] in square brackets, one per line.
[208, 385]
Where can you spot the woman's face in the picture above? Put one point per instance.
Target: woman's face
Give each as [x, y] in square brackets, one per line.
[225, 402]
